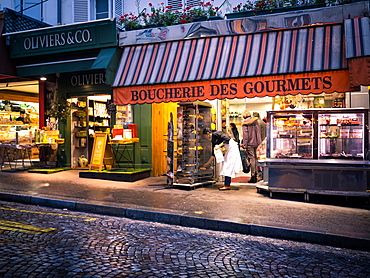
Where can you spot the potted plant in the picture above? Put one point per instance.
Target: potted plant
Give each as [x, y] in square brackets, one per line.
[242, 10]
[130, 22]
[202, 12]
[60, 109]
[161, 16]
[272, 6]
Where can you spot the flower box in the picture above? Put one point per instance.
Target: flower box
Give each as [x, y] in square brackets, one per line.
[240, 14]
[250, 13]
[305, 7]
[216, 17]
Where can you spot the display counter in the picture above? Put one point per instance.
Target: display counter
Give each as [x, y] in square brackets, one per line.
[318, 149]
[333, 174]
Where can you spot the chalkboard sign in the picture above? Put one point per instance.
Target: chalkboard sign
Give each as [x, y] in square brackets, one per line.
[97, 156]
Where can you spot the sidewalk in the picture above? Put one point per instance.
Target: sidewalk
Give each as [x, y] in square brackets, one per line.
[240, 210]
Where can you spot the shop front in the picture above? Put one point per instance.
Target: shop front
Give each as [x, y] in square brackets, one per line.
[287, 68]
[78, 63]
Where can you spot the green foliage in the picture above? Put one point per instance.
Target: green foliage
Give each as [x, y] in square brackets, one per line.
[166, 15]
[60, 109]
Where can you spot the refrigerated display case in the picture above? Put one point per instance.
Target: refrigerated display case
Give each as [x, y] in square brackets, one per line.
[342, 135]
[193, 148]
[318, 149]
[292, 135]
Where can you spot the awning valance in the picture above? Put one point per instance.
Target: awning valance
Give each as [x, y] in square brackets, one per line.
[316, 48]
[292, 84]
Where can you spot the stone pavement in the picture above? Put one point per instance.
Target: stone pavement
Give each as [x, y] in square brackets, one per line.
[46, 242]
[240, 210]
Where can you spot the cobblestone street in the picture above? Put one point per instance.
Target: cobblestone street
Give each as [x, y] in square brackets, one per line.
[44, 242]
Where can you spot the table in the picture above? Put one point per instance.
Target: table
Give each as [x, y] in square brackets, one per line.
[121, 151]
[17, 157]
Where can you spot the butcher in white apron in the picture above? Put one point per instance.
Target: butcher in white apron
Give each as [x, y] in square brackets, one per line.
[232, 163]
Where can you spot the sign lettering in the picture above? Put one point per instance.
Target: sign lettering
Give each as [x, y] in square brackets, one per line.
[88, 79]
[293, 84]
[57, 39]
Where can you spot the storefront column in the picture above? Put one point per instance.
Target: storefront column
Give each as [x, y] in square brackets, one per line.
[42, 116]
[160, 118]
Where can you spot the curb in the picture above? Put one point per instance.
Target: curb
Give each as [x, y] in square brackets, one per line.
[196, 222]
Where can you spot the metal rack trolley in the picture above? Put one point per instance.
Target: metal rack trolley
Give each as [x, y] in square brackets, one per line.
[193, 148]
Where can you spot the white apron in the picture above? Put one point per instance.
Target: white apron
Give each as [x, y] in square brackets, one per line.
[232, 162]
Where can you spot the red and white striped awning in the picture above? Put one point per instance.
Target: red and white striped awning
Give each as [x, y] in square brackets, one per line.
[313, 49]
[317, 48]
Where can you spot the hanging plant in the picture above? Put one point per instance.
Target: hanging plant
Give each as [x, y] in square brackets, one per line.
[60, 109]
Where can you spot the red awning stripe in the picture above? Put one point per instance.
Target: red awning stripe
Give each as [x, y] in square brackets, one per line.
[246, 54]
[151, 62]
[327, 47]
[203, 59]
[262, 53]
[231, 56]
[316, 48]
[189, 62]
[278, 50]
[140, 63]
[309, 49]
[357, 32]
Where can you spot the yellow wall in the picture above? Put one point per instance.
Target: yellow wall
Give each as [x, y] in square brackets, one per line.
[160, 118]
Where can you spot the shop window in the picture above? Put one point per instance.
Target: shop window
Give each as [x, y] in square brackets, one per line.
[124, 115]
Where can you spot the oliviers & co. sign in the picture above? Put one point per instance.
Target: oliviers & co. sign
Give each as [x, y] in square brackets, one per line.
[58, 39]
[304, 83]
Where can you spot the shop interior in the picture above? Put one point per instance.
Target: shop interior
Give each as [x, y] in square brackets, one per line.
[18, 121]
[89, 115]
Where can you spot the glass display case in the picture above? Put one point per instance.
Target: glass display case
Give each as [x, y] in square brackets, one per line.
[318, 150]
[318, 134]
[341, 135]
[292, 135]
[193, 148]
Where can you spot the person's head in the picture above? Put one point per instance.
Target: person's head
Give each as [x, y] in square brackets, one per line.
[232, 125]
[246, 114]
[256, 114]
[207, 132]
[223, 123]
[22, 113]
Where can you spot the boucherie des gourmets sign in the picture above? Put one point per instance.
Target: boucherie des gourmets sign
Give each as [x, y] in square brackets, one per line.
[290, 84]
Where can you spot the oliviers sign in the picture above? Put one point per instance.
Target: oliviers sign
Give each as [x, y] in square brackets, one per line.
[61, 39]
[290, 84]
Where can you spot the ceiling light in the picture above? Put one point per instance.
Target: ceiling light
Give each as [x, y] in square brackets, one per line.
[43, 78]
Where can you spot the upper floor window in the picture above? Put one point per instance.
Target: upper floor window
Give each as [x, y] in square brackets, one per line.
[31, 8]
[85, 10]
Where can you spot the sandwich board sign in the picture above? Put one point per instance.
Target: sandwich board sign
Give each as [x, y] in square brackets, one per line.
[98, 152]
